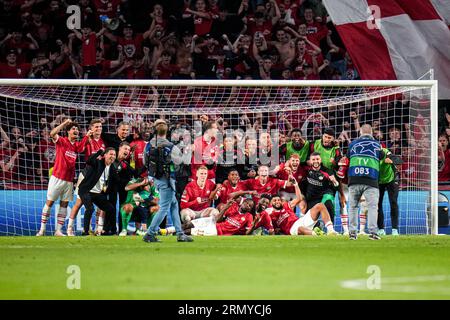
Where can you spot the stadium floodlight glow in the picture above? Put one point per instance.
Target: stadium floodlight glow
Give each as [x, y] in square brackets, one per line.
[259, 105]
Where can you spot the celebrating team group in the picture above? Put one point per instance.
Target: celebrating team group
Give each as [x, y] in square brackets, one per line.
[150, 183]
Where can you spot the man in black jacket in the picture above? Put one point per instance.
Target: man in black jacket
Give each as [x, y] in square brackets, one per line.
[100, 180]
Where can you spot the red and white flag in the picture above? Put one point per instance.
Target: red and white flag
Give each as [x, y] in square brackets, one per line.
[396, 39]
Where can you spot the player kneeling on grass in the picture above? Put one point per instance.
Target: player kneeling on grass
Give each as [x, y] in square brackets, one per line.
[141, 200]
[197, 197]
[283, 217]
[233, 219]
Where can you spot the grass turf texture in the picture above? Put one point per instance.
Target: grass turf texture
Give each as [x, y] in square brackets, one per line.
[279, 267]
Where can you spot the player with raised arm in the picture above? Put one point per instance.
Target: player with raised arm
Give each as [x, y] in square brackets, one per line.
[95, 143]
[284, 218]
[231, 188]
[60, 185]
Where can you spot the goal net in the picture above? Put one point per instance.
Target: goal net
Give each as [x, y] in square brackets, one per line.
[400, 112]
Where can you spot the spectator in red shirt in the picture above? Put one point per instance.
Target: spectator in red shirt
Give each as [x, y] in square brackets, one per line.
[206, 150]
[314, 25]
[12, 69]
[108, 8]
[201, 16]
[88, 50]
[165, 69]
[15, 41]
[198, 196]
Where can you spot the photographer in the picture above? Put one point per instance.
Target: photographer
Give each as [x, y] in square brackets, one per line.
[160, 157]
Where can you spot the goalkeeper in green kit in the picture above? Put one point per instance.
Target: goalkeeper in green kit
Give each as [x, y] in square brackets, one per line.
[141, 204]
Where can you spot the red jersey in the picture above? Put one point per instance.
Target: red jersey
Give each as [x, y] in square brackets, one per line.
[92, 146]
[66, 157]
[19, 71]
[193, 191]
[265, 29]
[298, 175]
[89, 48]
[138, 153]
[272, 186]
[283, 219]
[131, 46]
[235, 222]
[265, 221]
[227, 189]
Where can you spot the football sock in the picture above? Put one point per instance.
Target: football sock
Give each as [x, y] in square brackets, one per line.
[344, 221]
[45, 216]
[71, 221]
[362, 222]
[61, 218]
[100, 224]
[329, 226]
[125, 219]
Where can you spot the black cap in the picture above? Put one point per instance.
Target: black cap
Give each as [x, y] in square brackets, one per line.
[208, 36]
[128, 25]
[12, 51]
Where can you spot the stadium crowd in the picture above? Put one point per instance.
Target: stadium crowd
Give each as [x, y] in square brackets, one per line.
[199, 39]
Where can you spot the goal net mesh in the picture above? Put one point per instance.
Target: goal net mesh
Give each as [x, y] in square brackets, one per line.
[399, 115]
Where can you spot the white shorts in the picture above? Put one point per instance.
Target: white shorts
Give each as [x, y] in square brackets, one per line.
[306, 221]
[59, 189]
[204, 227]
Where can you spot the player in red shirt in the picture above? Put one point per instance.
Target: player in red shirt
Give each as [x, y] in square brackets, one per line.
[60, 185]
[262, 218]
[283, 216]
[232, 220]
[94, 144]
[265, 184]
[197, 197]
[231, 189]
[284, 170]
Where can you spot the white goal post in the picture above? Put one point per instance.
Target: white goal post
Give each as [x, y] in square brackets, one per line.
[23, 102]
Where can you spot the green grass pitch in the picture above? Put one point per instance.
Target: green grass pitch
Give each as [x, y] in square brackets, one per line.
[257, 267]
